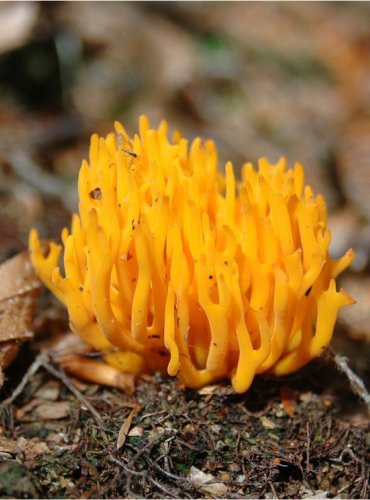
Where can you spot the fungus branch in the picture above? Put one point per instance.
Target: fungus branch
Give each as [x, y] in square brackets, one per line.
[189, 272]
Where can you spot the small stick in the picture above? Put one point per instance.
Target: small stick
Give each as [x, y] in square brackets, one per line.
[308, 465]
[355, 382]
[166, 473]
[59, 374]
[160, 486]
[142, 450]
[42, 360]
[274, 494]
[38, 362]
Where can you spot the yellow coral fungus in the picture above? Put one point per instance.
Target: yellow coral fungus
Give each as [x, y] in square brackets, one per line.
[184, 270]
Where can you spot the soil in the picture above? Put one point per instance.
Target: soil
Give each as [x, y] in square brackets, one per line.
[302, 436]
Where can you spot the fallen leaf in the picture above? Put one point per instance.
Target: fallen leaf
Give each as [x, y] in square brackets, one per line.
[225, 476]
[267, 423]
[123, 432]
[18, 293]
[208, 390]
[66, 483]
[136, 431]
[21, 413]
[19, 286]
[206, 482]
[288, 400]
[49, 391]
[31, 448]
[318, 494]
[53, 411]
[7, 445]
[219, 390]
[306, 397]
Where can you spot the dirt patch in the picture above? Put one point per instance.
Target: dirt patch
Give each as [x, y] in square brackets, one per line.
[295, 437]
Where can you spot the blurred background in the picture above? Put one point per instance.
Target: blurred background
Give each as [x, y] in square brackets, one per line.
[261, 79]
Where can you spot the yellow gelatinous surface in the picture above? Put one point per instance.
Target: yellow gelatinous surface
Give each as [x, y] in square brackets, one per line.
[187, 272]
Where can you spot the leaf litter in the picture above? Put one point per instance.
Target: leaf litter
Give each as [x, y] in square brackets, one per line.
[186, 443]
[18, 293]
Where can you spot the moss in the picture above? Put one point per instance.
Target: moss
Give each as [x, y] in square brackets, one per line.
[15, 481]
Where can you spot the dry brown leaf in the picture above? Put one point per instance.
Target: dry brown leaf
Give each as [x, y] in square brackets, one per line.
[7, 445]
[123, 432]
[49, 391]
[30, 448]
[208, 390]
[204, 482]
[136, 431]
[18, 293]
[21, 413]
[268, 423]
[288, 400]
[306, 397]
[18, 288]
[53, 411]
[219, 390]
[39, 409]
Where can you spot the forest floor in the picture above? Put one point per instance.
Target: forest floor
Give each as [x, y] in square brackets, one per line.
[261, 79]
[303, 436]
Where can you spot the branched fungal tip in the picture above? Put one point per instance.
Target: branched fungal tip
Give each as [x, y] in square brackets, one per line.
[225, 278]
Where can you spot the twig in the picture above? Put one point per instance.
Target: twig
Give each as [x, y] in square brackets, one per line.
[38, 362]
[365, 484]
[348, 451]
[37, 177]
[355, 382]
[125, 468]
[364, 471]
[59, 374]
[42, 360]
[162, 488]
[155, 413]
[308, 465]
[140, 452]
[166, 473]
[187, 445]
[274, 494]
[345, 487]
